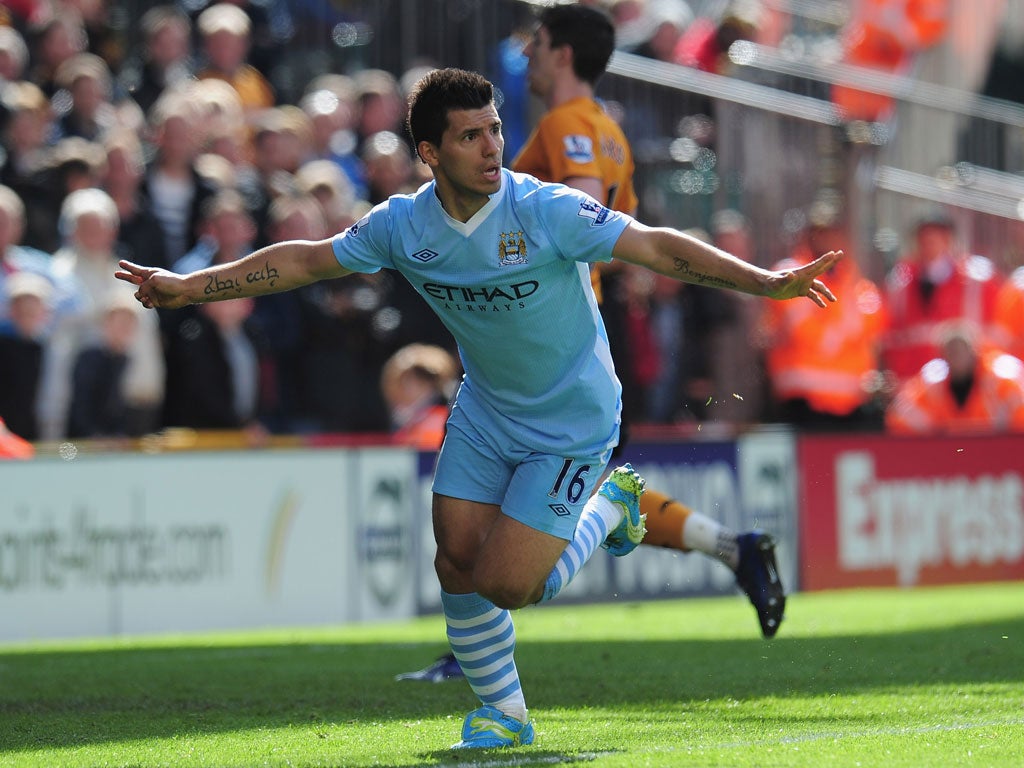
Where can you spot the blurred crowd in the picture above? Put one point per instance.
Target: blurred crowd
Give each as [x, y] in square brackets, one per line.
[177, 151]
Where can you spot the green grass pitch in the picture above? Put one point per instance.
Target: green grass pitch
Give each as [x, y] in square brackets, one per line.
[890, 678]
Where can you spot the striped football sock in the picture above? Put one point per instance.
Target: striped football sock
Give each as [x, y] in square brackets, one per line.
[483, 640]
[598, 518]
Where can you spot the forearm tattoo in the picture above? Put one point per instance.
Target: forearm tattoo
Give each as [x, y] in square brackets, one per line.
[267, 273]
[216, 287]
[682, 266]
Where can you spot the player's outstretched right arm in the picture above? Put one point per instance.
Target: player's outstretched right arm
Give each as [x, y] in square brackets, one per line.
[278, 267]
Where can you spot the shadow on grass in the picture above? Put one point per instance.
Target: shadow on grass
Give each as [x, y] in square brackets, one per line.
[75, 698]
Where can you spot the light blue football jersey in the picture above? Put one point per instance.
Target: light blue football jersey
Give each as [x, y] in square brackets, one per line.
[513, 286]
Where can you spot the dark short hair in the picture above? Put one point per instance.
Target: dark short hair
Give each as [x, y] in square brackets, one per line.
[437, 93]
[588, 31]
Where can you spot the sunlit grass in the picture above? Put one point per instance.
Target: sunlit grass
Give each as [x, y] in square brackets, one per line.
[927, 677]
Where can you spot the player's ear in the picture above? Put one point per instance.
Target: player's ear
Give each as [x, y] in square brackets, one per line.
[563, 54]
[427, 153]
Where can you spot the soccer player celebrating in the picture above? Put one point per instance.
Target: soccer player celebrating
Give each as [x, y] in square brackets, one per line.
[503, 260]
[577, 143]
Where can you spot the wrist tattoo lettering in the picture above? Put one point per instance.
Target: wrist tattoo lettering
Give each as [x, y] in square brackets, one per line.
[703, 278]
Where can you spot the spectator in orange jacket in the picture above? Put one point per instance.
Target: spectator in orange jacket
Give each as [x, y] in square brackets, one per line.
[418, 381]
[966, 390]
[823, 371]
[1009, 315]
[937, 282]
[886, 35]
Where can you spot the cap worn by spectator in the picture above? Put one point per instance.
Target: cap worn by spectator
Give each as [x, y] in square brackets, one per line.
[24, 283]
[223, 17]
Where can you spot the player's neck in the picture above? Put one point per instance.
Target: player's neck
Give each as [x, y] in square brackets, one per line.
[568, 90]
[461, 205]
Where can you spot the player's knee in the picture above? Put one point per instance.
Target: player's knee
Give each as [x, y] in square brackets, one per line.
[503, 591]
[452, 570]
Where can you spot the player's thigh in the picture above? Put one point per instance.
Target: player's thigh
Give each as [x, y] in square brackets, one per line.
[547, 492]
[471, 464]
[514, 562]
[460, 529]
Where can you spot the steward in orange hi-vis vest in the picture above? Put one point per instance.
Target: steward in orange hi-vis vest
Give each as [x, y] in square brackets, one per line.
[883, 35]
[964, 391]
[826, 359]
[1009, 315]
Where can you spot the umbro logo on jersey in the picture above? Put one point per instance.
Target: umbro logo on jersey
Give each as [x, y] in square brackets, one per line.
[424, 255]
[560, 509]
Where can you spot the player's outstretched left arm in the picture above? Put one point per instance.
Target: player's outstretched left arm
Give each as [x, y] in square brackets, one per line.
[676, 254]
[278, 267]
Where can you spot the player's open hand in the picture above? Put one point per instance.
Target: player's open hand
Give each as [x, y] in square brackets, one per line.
[803, 281]
[156, 288]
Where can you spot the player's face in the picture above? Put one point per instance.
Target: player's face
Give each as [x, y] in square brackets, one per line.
[467, 165]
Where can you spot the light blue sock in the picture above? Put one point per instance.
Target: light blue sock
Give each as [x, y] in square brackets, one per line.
[597, 520]
[483, 640]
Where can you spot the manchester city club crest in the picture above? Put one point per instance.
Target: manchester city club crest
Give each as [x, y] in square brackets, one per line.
[511, 249]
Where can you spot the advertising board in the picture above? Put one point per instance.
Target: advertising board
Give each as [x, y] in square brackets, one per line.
[885, 511]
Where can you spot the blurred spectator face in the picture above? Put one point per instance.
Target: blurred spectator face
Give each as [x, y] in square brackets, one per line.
[824, 239]
[388, 174]
[388, 164]
[178, 140]
[328, 114]
[119, 326]
[337, 208]
[11, 228]
[381, 112]
[934, 242]
[10, 68]
[29, 313]
[624, 11]
[272, 151]
[737, 242]
[87, 94]
[232, 230]
[59, 43]
[300, 225]
[292, 151]
[92, 11]
[225, 50]
[26, 130]
[231, 145]
[168, 45]
[663, 42]
[123, 172]
[95, 234]
[959, 353]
